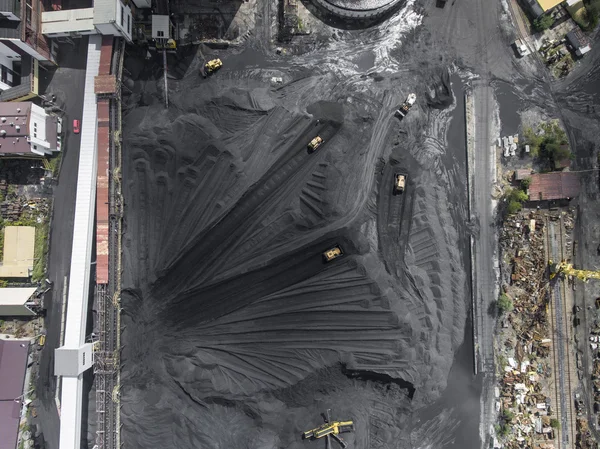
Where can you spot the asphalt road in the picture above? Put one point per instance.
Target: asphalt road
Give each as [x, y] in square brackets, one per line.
[67, 83]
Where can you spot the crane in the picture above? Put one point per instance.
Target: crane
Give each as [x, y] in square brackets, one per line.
[565, 268]
[330, 429]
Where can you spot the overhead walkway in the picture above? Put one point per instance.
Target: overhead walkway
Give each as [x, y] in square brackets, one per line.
[76, 356]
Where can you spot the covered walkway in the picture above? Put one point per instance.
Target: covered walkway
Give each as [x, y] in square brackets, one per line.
[75, 356]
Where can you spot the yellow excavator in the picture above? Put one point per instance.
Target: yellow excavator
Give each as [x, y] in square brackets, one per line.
[565, 268]
[330, 429]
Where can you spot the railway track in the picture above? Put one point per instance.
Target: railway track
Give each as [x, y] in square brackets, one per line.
[107, 354]
[555, 250]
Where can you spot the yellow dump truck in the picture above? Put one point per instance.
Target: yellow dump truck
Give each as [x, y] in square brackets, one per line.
[315, 143]
[332, 253]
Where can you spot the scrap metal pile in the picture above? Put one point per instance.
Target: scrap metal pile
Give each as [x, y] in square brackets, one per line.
[523, 396]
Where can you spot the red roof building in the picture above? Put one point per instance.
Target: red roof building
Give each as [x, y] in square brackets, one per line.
[553, 186]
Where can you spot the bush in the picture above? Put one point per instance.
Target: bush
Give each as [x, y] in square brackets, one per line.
[509, 415]
[505, 304]
[525, 183]
[543, 23]
[554, 423]
[513, 207]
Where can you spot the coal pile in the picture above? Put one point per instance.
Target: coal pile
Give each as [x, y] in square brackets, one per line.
[236, 332]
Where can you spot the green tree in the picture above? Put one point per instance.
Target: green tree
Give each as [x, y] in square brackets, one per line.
[505, 304]
[509, 415]
[513, 207]
[543, 23]
[554, 423]
[518, 195]
[525, 183]
[558, 152]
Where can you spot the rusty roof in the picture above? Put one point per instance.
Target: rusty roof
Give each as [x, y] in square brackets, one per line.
[553, 186]
[105, 84]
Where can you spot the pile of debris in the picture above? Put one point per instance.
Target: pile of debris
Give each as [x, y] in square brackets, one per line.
[509, 144]
[524, 391]
[584, 438]
[21, 208]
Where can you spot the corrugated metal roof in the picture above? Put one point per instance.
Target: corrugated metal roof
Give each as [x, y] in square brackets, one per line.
[9, 424]
[105, 84]
[79, 284]
[13, 362]
[102, 185]
[553, 186]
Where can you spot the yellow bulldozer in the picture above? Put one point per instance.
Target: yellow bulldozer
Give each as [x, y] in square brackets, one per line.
[565, 268]
[212, 66]
[330, 429]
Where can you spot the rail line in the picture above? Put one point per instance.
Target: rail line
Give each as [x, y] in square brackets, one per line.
[555, 251]
[108, 281]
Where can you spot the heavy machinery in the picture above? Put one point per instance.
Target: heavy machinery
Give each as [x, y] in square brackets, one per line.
[399, 182]
[333, 253]
[212, 66]
[315, 143]
[410, 100]
[330, 429]
[565, 268]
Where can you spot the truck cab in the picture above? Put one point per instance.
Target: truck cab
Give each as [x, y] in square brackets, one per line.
[399, 183]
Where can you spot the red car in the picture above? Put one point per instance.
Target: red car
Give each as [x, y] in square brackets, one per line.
[76, 126]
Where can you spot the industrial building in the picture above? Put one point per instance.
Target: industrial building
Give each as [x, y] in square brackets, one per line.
[107, 17]
[13, 366]
[19, 246]
[17, 302]
[27, 130]
[554, 186]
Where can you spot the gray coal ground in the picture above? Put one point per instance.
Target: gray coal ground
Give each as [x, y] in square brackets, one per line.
[236, 334]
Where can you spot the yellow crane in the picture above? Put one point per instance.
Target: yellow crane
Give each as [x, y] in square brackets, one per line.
[330, 429]
[565, 268]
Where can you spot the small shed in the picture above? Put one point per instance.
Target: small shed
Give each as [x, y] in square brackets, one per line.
[13, 301]
[521, 174]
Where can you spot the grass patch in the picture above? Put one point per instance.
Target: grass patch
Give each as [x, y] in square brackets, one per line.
[40, 251]
[54, 164]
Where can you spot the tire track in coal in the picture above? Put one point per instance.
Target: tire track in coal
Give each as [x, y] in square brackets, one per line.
[389, 217]
[215, 242]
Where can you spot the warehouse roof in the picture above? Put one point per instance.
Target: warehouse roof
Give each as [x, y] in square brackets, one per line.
[553, 186]
[13, 361]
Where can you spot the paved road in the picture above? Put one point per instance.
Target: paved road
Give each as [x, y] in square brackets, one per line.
[67, 84]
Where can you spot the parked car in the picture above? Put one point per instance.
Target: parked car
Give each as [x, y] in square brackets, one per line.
[76, 126]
